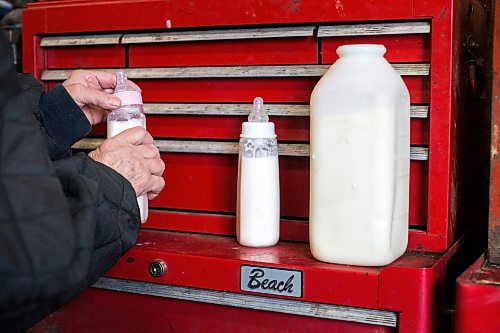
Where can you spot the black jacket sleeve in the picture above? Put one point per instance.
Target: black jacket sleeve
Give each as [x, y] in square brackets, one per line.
[61, 121]
[62, 224]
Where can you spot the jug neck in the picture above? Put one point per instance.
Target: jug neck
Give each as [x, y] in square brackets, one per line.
[374, 50]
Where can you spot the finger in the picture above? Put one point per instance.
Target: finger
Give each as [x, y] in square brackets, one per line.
[87, 95]
[155, 166]
[135, 136]
[92, 82]
[105, 80]
[156, 184]
[149, 151]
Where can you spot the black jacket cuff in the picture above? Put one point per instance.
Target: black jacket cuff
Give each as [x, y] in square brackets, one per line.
[62, 118]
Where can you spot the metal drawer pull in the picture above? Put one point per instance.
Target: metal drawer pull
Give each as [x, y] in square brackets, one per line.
[212, 109]
[295, 307]
[375, 29]
[190, 36]
[80, 40]
[221, 147]
[232, 72]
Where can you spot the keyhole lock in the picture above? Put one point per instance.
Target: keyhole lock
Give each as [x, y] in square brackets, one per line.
[157, 268]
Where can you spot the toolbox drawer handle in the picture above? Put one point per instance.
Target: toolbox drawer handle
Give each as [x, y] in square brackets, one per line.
[375, 29]
[233, 34]
[221, 147]
[233, 71]
[215, 109]
[56, 41]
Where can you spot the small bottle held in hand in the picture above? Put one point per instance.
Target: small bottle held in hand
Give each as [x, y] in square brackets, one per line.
[127, 116]
[258, 201]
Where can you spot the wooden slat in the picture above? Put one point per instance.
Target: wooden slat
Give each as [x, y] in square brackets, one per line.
[217, 147]
[80, 40]
[233, 71]
[189, 36]
[261, 303]
[212, 109]
[375, 29]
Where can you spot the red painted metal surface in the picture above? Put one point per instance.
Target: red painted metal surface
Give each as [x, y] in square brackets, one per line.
[229, 127]
[274, 51]
[230, 90]
[410, 286]
[103, 15]
[400, 48]
[201, 176]
[86, 57]
[96, 307]
[478, 299]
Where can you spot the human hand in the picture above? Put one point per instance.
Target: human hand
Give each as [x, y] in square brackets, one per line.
[91, 91]
[133, 155]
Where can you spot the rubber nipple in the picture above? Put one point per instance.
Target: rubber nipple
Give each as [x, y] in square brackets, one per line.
[125, 92]
[258, 114]
[121, 81]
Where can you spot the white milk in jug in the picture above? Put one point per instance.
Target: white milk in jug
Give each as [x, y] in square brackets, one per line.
[360, 117]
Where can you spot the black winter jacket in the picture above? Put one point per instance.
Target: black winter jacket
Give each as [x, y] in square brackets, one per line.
[64, 220]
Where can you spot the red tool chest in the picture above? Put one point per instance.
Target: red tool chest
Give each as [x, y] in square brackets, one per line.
[200, 64]
[478, 288]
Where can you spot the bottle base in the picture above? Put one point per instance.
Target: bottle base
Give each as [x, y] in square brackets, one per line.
[363, 261]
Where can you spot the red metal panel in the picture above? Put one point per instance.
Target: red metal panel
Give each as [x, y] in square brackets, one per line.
[440, 119]
[217, 224]
[418, 193]
[400, 48]
[195, 182]
[274, 51]
[478, 299]
[228, 90]
[244, 90]
[213, 262]
[406, 286]
[107, 311]
[415, 286]
[102, 15]
[229, 127]
[33, 54]
[419, 131]
[218, 127]
[86, 57]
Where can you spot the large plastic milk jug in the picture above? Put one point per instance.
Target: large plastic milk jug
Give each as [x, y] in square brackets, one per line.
[360, 157]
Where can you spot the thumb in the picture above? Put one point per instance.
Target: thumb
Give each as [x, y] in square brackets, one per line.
[101, 99]
[135, 136]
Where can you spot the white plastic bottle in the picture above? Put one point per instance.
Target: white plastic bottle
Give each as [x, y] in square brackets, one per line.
[127, 116]
[258, 201]
[360, 154]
